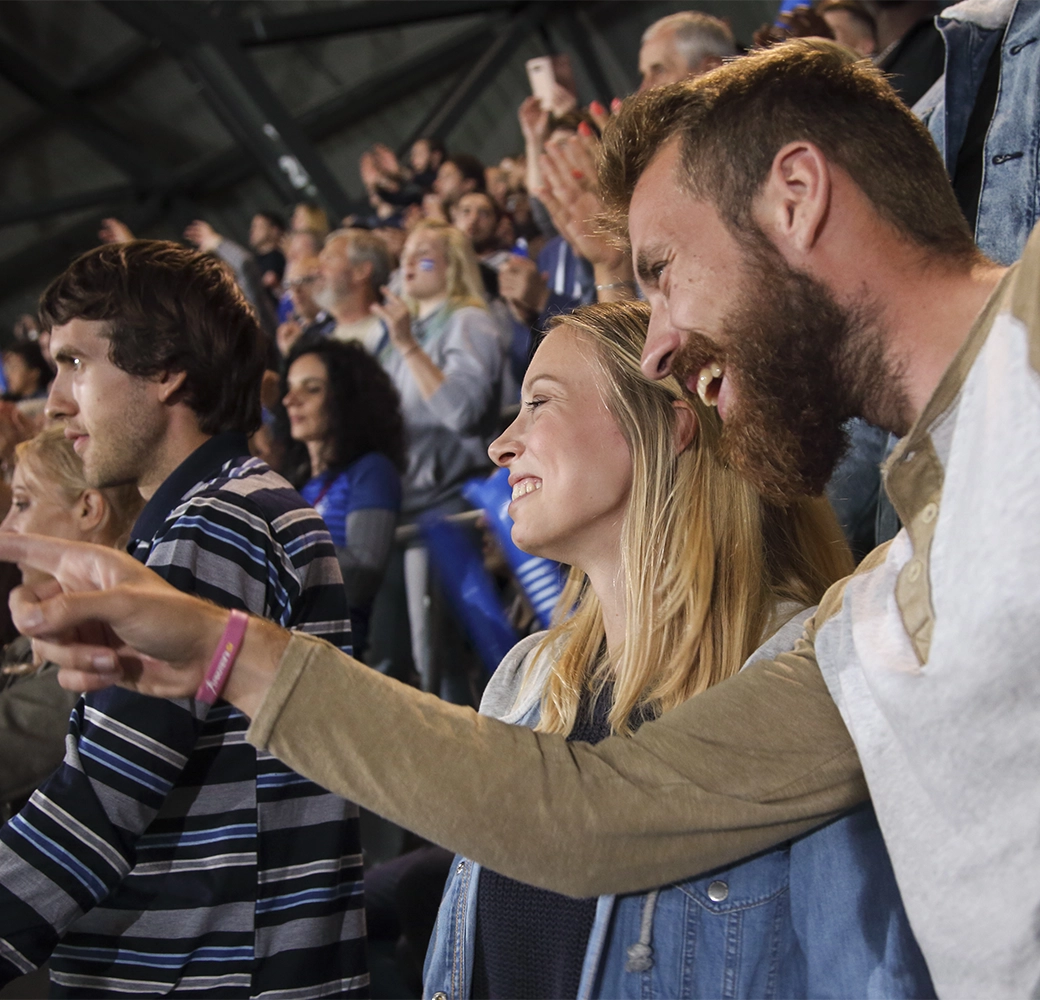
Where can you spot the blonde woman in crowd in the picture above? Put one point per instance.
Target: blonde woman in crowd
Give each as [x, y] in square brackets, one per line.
[444, 356]
[678, 572]
[49, 497]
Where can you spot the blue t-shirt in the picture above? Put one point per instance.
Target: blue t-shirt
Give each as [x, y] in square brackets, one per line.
[369, 481]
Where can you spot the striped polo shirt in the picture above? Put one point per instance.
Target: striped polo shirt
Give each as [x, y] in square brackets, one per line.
[166, 854]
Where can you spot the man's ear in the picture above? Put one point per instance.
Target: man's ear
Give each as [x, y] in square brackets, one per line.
[686, 425]
[170, 383]
[795, 200]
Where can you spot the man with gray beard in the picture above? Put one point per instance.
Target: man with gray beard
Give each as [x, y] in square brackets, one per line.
[353, 267]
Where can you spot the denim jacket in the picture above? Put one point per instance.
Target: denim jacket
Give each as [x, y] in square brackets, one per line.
[818, 917]
[1009, 202]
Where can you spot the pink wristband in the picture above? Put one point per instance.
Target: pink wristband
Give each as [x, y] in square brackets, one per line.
[223, 658]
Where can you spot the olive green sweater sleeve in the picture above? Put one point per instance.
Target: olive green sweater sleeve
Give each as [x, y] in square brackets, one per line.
[748, 764]
[34, 718]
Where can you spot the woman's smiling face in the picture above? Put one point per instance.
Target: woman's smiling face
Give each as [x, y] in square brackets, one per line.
[569, 464]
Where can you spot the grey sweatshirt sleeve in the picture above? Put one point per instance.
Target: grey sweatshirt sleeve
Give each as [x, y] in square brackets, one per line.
[471, 359]
[370, 536]
[34, 718]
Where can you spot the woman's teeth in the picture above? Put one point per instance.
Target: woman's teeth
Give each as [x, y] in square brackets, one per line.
[526, 486]
[709, 373]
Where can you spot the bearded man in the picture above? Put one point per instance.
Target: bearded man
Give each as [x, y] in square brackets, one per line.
[353, 266]
[806, 261]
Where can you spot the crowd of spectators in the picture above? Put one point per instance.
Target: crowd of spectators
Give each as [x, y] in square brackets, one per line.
[395, 344]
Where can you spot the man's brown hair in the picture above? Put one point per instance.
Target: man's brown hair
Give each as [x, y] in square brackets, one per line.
[170, 309]
[733, 121]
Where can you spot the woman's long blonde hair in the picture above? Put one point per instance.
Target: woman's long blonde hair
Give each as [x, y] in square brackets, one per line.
[707, 565]
[465, 287]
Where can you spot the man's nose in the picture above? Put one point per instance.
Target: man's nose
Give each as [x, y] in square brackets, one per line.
[59, 403]
[662, 343]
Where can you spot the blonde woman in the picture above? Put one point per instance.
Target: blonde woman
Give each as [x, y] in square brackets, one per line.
[679, 573]
[49, 496]
[444, 356]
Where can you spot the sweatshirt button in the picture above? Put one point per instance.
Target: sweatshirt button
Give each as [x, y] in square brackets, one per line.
[718, 891]
[913, 571]
[928, 512]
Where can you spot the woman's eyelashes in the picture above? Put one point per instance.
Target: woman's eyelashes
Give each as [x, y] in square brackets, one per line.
[533, 404]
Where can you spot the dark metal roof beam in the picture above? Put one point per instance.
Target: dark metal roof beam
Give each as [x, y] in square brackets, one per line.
[47, 207]
[73, 113]
[495, 56]
[396, 83]
[96, 77]
[266, 128]
[53, 254]
[109, 69]
[221, 170]
[348, 19]
[348, 107]
[582, 45]
[240, 95]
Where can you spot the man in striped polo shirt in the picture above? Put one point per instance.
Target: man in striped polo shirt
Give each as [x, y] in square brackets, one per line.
[166, 854]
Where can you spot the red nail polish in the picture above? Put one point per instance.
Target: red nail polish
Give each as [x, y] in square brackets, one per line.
[615, 105]
[583, 129]
[597, 109]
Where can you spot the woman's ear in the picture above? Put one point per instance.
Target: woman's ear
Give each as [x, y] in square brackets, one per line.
[91, 511]
[686, 425]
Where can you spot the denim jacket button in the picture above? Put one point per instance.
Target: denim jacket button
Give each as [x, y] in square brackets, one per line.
[440, 996]
[718, 891]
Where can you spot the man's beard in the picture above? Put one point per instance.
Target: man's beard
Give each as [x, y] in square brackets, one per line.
[327, 294]
[798, 365]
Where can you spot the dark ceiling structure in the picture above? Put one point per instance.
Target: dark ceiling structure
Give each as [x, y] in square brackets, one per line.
[455, 50]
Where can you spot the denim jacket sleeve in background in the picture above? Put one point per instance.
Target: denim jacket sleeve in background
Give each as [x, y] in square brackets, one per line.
[1009, 201]
[819, 917]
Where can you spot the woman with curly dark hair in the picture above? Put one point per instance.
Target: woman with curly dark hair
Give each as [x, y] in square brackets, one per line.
[345, 458]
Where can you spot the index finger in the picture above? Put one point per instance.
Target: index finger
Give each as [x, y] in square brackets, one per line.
[38, 551]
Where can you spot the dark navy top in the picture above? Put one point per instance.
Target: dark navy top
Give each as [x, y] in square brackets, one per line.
[370, 481]
[531, 942]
